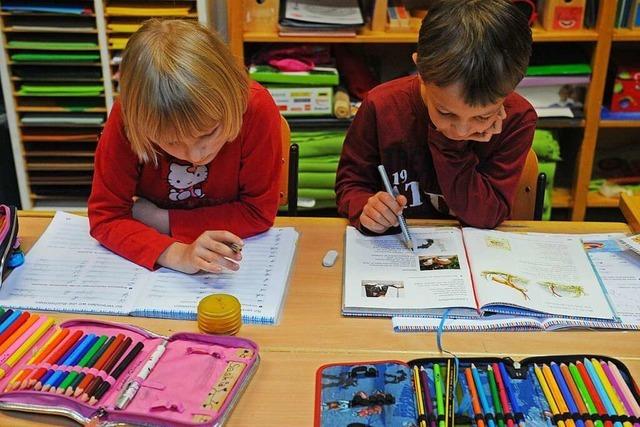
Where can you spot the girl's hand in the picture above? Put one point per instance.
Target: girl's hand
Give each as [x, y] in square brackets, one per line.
[381, 211]
[211, 252]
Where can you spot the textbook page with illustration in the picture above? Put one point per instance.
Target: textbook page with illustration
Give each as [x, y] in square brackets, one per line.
[471, 272]
[617, 267]
[67, 270]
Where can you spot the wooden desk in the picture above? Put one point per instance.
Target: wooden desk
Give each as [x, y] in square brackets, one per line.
[312, 331]
[630, 207]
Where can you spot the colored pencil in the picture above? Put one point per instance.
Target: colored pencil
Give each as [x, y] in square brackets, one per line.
[489, 415]
[68, 379]
[572, 408]
[493, 387]
[108, 367]
[101, 362]
[90, 364]
[450, 408]
[4, 317]
[515, 406]
[437, 380]
[475, 402]
[46, 352]
[548, 394]
[557, 395]
[504, 400]
[427, 397]
[419, 398]
[618, 390]
[70, 360]
[16, 330]
[128, 359]
[602, 393]
[597, 401]
[8, 321]
[618, 409]
[57, 355]
[584, 393]
[36, 358]
[635, 408]
[577, 398]
[26, 346]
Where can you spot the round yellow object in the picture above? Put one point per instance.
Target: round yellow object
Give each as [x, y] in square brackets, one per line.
[219, 314]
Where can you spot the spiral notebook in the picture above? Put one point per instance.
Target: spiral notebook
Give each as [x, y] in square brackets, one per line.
[67, 270]
[618, 269]
[472, 272]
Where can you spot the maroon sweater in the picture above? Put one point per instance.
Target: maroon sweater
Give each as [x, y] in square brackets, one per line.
[473, 181]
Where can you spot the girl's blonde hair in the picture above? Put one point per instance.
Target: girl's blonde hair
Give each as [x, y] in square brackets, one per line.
[177, 81]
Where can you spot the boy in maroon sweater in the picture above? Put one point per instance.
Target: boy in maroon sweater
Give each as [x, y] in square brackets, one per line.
[453, 139]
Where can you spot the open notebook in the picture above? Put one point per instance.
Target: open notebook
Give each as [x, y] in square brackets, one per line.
[472, 273]
[68, 270]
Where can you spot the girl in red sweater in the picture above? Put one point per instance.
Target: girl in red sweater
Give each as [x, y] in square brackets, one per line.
[189, 160]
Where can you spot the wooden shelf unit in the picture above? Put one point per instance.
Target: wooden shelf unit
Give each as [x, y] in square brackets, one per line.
[53, 166]
[576, 198]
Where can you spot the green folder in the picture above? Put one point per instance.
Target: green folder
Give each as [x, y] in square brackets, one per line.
[325, 180]
[310, 164]
[55, 57]
[558, 69]
[313, 144]
[42, 45]
[317, 193]
[61, 90]
[323, 77]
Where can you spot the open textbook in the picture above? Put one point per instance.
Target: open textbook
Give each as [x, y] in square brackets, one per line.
[68, 270]
[618, 269]
[472, 272]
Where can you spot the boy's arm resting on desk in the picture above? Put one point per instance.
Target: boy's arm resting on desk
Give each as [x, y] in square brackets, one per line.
[258, 194]
[110, 204]
[355, 183]
[481, 194]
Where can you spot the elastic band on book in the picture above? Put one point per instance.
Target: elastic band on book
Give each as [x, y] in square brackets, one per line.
[557, 417]
[440, 418]
[489, 416]
[509, 416]
[479, 417]
[431, 417]
[500, 416]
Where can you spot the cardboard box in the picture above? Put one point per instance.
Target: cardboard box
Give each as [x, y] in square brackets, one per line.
[303, 101]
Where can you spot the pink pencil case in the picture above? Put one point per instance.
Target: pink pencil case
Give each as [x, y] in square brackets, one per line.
[196, 382]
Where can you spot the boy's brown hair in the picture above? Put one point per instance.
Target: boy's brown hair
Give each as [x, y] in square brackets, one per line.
[484, 45]
[177, 81]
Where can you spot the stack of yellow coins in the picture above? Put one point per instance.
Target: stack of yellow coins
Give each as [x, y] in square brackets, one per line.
[219, 314]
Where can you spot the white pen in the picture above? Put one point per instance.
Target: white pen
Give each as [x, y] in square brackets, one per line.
[134, 385]
[403, 224]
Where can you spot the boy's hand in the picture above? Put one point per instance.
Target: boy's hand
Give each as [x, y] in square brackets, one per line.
[494, 128]
[381, 211]
[209, 253]
[149, 214]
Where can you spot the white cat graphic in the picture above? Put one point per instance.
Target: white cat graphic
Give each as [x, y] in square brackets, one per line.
[184, 181]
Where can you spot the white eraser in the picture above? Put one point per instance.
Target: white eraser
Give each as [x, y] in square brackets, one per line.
[330, 258]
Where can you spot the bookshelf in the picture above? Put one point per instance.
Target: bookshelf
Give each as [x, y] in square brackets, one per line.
[56, 106]
[576, 197]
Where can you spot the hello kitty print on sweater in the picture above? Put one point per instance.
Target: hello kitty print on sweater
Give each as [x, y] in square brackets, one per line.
[185, 181]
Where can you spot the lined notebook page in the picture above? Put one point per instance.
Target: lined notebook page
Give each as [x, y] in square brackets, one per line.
[68, 270]
[260, 284]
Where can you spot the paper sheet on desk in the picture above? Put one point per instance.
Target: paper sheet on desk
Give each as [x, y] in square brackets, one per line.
[67, 270]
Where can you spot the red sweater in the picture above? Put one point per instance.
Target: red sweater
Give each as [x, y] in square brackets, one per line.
[238, 191]
[474, 181]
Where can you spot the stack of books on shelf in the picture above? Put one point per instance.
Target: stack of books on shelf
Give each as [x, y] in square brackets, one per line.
[326, 18]
[556, 90]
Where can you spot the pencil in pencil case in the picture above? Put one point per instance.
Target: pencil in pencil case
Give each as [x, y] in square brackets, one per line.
[483, 392]
[195, 380]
